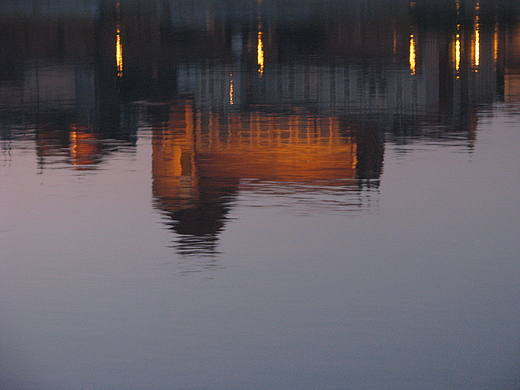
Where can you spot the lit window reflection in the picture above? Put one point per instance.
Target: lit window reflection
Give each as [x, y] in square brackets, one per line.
[119, 45]
[413, 54]
[476, 39]
[231, 89]
[457, 51]
[260, 53]
[457, 43]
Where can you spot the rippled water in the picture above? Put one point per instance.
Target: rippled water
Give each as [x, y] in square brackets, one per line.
[259, 195]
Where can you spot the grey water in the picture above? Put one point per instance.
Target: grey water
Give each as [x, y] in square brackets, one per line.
[259, 194]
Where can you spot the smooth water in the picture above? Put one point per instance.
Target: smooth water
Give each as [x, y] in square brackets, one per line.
[272, 195]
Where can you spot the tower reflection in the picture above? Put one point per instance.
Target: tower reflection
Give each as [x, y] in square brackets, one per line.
[196, 204]
[201, 160]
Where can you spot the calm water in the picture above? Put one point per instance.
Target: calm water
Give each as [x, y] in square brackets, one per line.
[259, 195]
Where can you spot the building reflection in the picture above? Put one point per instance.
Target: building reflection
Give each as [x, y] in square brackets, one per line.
[240, 92]
[57, 80]
[201, 159]
[196, 204]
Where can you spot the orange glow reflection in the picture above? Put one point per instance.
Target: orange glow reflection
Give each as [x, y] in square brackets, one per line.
[84, 147]
[495, 44]
[294, 148]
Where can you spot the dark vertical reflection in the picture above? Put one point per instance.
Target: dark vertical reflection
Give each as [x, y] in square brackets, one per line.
[107, 34]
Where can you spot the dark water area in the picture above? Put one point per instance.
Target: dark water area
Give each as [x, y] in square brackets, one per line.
[259, 194]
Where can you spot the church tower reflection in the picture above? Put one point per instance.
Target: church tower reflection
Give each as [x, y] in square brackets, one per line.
[201, 160]
[196, 205]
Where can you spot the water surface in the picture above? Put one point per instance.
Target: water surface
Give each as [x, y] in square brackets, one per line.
[209, 195]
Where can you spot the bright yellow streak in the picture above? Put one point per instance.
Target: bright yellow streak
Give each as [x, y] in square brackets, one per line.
[119, 53]
[477, 48]
[413, 55]
[260, 53]
[457, 52]
[476, 45]
[119, 45]
[231, 90]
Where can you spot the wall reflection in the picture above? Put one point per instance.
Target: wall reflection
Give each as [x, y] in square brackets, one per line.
[272, 92]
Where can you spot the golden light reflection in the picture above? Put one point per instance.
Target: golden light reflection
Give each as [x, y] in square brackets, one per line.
[119, 45]
[476, 39]
[119, 53]
[283, 148]
[294, 148]
[457, 51]
[201, 160]
[231, 90]
[457, 43]
[84, 147]
[413, 55]
[175, 177]
[476, 56]
[260, 53]
[73, 144]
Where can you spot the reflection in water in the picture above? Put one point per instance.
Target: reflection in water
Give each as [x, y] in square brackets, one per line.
[476, 39]
[195, 205]
[324, 152]
[413, 54]
[457, 50]
[512, 69]
[328, 98]
[202, 159]
[119, 45]
[84, 148]
[260, 53]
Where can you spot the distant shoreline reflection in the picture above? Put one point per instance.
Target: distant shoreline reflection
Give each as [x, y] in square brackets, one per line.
[298, 109]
